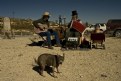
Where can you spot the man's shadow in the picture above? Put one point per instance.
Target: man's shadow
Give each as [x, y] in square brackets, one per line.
[39, 43]
[48, 69]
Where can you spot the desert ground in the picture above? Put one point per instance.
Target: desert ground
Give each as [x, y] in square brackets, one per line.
[17, 62]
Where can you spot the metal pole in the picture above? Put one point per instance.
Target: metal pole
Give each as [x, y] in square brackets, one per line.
[64, 18]
[12, 31]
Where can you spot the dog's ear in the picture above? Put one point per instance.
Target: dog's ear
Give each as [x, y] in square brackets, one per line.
[35, 60]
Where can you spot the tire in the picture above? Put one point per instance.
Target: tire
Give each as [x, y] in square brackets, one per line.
[118, 33]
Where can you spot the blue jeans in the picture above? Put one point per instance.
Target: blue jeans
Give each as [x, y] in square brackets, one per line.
[48, 34]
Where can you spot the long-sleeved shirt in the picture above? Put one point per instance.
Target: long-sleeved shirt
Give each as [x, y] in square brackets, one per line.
[40, 25]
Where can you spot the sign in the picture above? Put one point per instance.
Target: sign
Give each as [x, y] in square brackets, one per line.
[72, 38]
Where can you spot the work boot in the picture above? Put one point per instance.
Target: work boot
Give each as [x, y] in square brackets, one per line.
[58, 45]
[50, 47]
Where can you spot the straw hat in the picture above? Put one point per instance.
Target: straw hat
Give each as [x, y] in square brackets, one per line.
[46, 14]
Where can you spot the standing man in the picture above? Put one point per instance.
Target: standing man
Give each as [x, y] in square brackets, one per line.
[60, 20]
[42, 27]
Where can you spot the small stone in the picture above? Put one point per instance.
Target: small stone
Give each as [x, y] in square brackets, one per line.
[102, 75]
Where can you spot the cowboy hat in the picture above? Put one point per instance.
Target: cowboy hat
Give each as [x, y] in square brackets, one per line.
[46, 14]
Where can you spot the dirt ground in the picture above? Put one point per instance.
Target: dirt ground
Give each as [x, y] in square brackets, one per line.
[17, 60]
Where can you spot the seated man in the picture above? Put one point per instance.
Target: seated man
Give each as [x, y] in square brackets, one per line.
[43, 29]
[73, 32]
[97, 36]
[75, 28]
[97, 29]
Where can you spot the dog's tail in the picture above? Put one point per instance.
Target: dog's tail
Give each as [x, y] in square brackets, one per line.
[35, 62]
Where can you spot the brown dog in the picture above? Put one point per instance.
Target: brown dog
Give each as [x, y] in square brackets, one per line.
[49, 60]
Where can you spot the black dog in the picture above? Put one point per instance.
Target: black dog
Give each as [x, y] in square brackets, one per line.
[49, 60]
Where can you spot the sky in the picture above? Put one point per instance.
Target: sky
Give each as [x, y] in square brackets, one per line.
[91, 11]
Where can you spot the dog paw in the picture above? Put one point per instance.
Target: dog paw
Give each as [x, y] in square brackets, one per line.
[43, 75]
[58, 72]
[55, 76]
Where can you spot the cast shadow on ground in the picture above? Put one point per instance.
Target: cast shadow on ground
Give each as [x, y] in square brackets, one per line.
[40, 43]
[47, 69]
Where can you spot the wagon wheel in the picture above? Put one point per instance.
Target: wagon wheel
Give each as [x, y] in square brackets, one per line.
[96, 46]
[103, 46]
[90, 45]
